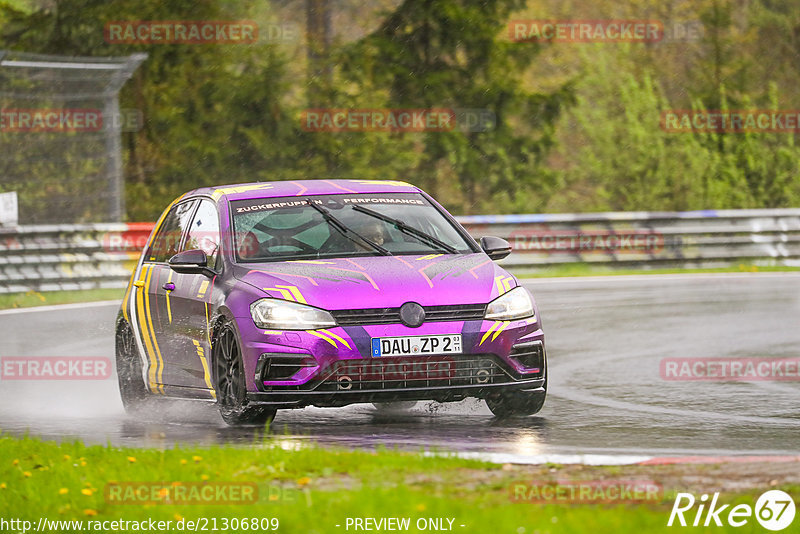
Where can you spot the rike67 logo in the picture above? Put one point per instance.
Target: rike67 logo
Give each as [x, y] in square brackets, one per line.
[774, 510]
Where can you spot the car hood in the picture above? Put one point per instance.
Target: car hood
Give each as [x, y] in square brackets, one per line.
[381, 281]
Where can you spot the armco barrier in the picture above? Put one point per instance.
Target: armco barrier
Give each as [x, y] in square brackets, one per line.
[709, 238]
[45, 258]
[59, 257]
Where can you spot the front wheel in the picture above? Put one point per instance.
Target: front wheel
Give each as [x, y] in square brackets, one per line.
[230, 382]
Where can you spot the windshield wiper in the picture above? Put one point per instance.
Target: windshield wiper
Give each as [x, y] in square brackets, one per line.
[346, 231]
[410, 230]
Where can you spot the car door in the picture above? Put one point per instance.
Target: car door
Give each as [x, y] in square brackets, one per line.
[153, 313]
[190, 301]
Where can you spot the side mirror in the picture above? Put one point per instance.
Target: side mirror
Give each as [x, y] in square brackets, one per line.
[495, 247]
[190, 262]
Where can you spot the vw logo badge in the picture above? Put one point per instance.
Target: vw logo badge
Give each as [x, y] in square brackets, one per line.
[412, 314]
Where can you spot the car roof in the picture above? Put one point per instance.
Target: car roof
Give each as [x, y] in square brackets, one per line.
[291, 188]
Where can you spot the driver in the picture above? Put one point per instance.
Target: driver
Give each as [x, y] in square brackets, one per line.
[374, 231]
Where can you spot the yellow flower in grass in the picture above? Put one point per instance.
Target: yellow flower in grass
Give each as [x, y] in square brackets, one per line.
[63, 491]
[27, 474]
[197, 458]
[3, 485]
[420, 508]
[204, 477]
[131, 459]
[15, 462]
[178, 517]
[273, 497]
[87, 492]
[303, 481]
[83, 464]
[184, 461]
[90, 512]
[67, 457]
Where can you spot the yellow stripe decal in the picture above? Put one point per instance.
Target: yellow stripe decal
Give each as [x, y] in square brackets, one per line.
[285, 293]
[337, 337]
[169, 310]
[159, 360]
[295, 293]
[429, 257]
[238, 189]
[203, 287]
[322, 336]
[502, 327]
[127, 296]
[140, 305]
[503, 284]
[491, 328]
[204, 362]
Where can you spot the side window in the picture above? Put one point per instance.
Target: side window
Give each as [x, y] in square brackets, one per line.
[168, 239]
[204, 232]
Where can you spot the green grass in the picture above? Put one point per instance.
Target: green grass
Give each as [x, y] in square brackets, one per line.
[584, 269]
[34, 298]
[314, 489]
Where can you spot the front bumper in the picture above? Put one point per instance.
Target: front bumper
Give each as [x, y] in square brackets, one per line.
[299, 399]
[296, 369]
[439, 378]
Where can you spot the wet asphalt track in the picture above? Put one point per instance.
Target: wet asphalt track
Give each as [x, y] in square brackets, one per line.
[605, 339]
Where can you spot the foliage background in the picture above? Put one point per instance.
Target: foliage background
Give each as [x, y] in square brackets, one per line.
[577, 123]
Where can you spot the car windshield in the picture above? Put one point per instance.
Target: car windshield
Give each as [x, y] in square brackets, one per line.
[280, 229]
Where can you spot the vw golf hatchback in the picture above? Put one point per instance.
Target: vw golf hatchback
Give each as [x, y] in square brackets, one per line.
[282, 295]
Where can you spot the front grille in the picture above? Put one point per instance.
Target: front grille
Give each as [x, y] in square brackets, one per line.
[368, 316]
[417, 372]
[530, 356]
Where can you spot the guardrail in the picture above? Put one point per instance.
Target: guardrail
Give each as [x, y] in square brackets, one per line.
[58, 257]
[692, 239]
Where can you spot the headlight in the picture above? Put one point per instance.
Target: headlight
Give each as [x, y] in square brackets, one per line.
[285, 315]
[516, 304]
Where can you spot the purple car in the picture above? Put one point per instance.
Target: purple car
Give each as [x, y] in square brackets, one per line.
[279, 295]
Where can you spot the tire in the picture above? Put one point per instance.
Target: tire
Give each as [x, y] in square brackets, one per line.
[393, 407]
[517, 403]
[230, 383]
[132, 388]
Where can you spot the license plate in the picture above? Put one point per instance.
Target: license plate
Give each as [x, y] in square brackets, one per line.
[416, 345]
